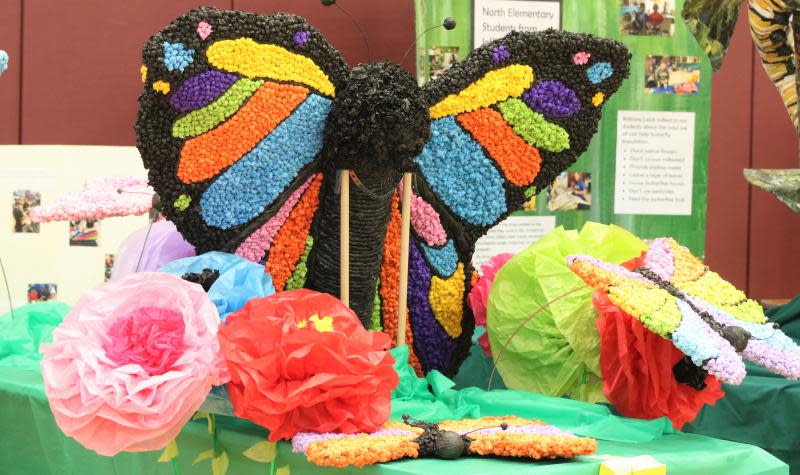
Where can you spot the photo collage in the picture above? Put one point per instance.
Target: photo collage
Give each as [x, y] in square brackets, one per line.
[81, 234]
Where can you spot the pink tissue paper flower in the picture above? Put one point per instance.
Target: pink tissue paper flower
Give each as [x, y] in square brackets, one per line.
[479, 295]
[132, 362]
[100, 198]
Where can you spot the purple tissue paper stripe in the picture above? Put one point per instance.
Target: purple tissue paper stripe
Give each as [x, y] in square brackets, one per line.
[436, 344]
[201, 89]
[553, 99]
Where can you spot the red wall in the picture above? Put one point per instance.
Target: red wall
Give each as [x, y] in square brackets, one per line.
[75, 66]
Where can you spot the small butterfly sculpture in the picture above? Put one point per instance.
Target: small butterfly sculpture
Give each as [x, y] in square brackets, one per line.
[676, 296]
[245, 120]
[487, 436]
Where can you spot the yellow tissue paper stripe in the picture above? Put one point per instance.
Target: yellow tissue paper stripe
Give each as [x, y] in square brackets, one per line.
[446, 301]
[495, 86]
[254, 60]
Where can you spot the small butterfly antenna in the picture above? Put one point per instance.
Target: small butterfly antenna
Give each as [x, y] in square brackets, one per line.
[503, 426]
[511, 337]
[122, 190]
[8, 289]
[449, 23]
[355, 22]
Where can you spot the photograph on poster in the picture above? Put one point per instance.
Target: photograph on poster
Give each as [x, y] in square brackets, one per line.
[570, 191]
[23, 201]
[109, 265]
[647, 17]
[83, 233]
[441, 58]
[672, 74]
[42, 292]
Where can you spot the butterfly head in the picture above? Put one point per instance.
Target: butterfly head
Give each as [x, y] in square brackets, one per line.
[378, 120]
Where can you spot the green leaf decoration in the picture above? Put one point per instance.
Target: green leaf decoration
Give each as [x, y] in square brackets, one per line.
[263, 451]
[199, 415]
[203, 456]
[169, 453]
[211, 423]
[219, 465]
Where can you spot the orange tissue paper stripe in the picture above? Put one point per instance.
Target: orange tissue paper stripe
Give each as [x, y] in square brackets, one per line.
[206, 155]
[290, 243]
[518, 160]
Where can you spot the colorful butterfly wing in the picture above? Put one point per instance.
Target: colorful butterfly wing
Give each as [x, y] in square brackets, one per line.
[707, 291]
[231, 128]
[513, 116]
[508, 119]
[664, 314]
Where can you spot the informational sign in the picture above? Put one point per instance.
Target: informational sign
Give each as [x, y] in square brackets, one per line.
[655, 160]
[512, 235]
[493, 19]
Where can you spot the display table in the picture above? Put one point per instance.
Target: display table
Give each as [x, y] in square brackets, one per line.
[33, 444]
[763, 409]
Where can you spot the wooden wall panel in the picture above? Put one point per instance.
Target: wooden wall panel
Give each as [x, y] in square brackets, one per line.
[10, 38]
[774, 270]
[389, 25]
[727, 224]
[82, 57]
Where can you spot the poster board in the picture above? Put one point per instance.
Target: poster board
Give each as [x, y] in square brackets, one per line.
[46, 256]
[681, 95]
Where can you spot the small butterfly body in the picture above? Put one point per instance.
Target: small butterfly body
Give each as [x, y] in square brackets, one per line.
[245, 120]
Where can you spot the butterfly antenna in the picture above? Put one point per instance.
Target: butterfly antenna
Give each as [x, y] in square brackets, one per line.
[8, 289]
[355, 22]
[448, 24]
[511, 337]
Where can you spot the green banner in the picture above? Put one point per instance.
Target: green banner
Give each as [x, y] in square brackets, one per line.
[655, 183]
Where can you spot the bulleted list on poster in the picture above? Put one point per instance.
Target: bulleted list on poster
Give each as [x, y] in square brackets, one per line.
[493, 19]
[655, 160]
[512, 235]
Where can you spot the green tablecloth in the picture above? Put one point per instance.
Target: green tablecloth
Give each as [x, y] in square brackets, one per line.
[32, 444]
[764, 409]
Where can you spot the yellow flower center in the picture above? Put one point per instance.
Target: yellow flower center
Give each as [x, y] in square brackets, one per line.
[324, 324]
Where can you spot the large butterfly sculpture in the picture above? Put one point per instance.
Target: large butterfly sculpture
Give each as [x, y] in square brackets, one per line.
[714, 324]
[245, 119]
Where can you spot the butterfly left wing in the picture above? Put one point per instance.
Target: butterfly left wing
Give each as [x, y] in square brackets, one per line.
[231, 128]
[505, 122]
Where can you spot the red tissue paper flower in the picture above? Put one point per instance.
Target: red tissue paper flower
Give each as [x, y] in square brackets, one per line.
[637, 370]
[301, 361]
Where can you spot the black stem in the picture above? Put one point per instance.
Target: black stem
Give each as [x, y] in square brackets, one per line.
[360, 31]
[8, 289]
